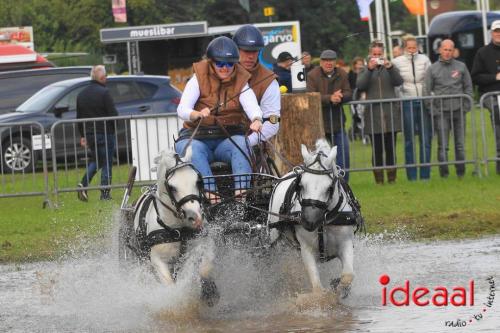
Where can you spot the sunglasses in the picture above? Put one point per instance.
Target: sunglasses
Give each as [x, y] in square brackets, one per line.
[221, 64]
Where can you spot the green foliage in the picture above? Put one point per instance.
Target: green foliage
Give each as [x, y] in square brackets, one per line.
[64, 26]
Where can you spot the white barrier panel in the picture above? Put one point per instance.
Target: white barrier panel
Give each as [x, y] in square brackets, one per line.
[149, 136]
[298, 73]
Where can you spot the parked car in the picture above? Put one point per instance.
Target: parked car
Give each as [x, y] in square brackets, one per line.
[133, 95]
[17, 86]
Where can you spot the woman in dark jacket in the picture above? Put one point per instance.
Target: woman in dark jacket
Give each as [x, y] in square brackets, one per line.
[382, 120]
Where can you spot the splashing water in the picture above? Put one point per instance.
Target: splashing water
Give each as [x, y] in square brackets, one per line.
[93, 292]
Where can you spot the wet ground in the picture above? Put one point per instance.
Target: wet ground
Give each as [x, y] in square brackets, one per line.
[94, 294]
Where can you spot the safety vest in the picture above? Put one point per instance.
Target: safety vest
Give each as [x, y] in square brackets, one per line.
[214, 91]
[260, 80]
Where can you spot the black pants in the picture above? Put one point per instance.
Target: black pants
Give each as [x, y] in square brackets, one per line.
[383, 143]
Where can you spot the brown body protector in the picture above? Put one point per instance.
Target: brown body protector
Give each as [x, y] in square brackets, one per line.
[259, 82]
[215, 92]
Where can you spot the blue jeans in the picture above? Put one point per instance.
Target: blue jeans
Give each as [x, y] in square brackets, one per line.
[417, 120]
[222, 150]
[102, 148]
[340, 140]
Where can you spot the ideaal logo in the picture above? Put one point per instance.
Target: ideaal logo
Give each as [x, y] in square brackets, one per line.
[438, 296]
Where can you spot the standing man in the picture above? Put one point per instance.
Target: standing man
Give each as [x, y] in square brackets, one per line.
[263, 82]
[448, 76]
[98, 136]
[416, 119]
[333, 85]
[486, 74]
[382, 120]
[282, 69]
[306, 61]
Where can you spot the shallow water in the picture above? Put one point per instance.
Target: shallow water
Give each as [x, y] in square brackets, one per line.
[93, 294]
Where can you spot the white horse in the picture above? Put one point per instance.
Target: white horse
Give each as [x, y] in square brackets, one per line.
[168, 221]
[317, 193]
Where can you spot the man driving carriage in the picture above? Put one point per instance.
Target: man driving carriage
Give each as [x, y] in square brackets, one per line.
[263, 81]
[218, 96]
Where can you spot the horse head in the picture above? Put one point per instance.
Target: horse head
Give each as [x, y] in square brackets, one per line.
[317, 187]
[182, 183]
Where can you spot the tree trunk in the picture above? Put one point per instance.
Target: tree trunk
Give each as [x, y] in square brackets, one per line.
[301, 123]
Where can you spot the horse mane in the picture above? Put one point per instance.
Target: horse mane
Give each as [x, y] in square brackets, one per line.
[324, 148]
[162, 164]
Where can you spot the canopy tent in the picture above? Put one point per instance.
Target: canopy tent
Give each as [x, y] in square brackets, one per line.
[15, 57]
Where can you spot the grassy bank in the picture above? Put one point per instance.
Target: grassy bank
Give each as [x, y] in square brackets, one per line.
[437, 209]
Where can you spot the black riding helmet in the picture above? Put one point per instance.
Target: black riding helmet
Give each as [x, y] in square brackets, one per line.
[248, 38]
[223, 49]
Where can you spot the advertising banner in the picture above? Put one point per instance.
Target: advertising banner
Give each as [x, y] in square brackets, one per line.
[279, 37]
[18, 36]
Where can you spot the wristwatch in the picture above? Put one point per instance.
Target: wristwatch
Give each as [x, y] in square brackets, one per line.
[273, 119]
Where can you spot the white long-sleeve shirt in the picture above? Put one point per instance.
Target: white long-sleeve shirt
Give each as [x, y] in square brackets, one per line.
[191, 94]
[270, 104]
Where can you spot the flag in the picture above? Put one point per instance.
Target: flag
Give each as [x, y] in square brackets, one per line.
[119, 10]
[245, 4]
[364, 9]
[415, 7]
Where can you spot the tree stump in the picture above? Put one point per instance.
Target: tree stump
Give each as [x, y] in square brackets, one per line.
[301, 123]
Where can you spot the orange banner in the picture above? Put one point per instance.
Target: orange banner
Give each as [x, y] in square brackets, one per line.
[415, 7]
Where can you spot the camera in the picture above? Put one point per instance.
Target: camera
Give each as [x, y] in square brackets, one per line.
[380, 61]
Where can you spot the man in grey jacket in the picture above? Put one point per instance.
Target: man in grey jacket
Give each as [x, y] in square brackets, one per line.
[448, 76]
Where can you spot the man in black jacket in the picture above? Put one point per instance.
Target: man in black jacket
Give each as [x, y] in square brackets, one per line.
[282, 69]
[486, 74]
[99, 136]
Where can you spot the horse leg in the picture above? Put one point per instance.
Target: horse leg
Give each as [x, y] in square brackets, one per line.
[310, 262]
[320, 297]
[160, 254]
[209, 292]
[346, 256]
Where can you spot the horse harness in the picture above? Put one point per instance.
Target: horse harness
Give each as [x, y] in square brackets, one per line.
[167, 234]
[332, 217]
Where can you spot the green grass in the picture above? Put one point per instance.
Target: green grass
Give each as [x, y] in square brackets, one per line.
[437, 209]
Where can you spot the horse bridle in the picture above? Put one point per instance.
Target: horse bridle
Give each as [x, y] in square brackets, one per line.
[323, 205]
[178, 212]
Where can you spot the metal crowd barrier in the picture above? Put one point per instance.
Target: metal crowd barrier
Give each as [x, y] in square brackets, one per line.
[139, 138]
[490, 101]
[393, 113]
[70, 160]
[22, 150]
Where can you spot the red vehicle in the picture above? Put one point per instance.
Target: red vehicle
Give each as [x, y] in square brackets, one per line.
[15, 57]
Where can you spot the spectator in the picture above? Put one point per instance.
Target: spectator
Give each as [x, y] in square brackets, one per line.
[306, 60]
[456, 55]
[249, 41]
[357, 65]
[282, 69]
[98, 136]
[416, 119]
[486, 74]
[383, 120]
[333, 85]
[356, 109]
[448, 76]
[396, 51]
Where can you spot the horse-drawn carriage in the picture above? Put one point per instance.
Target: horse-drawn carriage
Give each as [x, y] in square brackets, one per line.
[311, 206]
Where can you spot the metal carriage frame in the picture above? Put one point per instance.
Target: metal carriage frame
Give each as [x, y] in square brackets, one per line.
[241, 220]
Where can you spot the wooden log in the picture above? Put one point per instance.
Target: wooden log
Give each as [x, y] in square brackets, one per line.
[301, 123]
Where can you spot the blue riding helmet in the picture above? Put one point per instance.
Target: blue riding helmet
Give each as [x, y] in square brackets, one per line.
[248, 38]
[223, 49]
